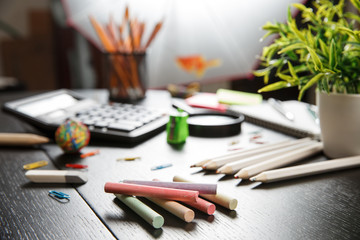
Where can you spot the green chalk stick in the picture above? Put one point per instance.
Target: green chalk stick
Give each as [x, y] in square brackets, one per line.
[149, 215]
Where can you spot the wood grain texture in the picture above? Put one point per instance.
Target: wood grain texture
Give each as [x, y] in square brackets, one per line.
[315, 207]
[27, 212]
[325, 206]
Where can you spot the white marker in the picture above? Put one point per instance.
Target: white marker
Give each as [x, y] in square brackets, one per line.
[56, 176]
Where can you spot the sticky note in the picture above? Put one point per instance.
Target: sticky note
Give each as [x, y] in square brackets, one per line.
[233, 97]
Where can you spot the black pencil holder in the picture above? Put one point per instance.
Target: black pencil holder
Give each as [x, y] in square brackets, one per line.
[126, 76]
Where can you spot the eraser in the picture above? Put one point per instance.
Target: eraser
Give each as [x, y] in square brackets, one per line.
[56, 176]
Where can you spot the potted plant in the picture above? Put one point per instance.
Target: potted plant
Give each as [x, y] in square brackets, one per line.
[325, 52]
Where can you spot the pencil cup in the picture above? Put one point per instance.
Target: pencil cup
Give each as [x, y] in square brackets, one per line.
[126, 75]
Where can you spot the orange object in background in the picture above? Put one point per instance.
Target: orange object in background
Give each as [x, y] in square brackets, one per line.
[196, 64]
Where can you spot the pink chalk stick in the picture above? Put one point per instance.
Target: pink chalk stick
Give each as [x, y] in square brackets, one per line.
[203, 205]
[151, 191]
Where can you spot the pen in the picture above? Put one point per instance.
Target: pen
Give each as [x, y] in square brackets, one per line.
[277, 105]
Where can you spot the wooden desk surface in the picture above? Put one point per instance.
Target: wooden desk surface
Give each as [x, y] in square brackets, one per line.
[325, 206]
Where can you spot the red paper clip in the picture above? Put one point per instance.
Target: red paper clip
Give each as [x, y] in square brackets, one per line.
[84, 155]
[78, 166]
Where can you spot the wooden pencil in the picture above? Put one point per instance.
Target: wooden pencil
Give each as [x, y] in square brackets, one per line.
[154, 33]
[220, 198]
[228, 158]
[307, 169]
[279, 161]
[175, 208]
[115, 61]
[135, 76]
[103, 36]
[21, 139]
[200, 164]
[235, 166]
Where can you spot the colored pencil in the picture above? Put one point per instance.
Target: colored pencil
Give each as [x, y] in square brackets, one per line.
[235, 166]
[307, 169]
[149, 215]
[279, 161]
[220, 198]
[150, 191]
[200, 187]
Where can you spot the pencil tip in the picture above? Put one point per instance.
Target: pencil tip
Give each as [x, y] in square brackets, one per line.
[253, 179]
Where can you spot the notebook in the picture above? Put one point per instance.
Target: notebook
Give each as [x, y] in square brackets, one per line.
[266, 116]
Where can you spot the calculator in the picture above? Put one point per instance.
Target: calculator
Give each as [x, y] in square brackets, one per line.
[122, 122]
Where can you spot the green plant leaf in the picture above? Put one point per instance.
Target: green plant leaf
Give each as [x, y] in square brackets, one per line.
[328, 44]
[262, 72]
[285, 77]
[324, 48]
[310, 39]
[274, 86]
[352, 16]
[299, 6]
[309, 84]
[292, 71]
[295, 30]
[356, 4]
[292, 47]
[270, 27]
[347, 31]
[333, 55]
[315, 59]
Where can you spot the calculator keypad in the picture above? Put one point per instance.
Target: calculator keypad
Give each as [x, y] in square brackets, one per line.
[118, 116]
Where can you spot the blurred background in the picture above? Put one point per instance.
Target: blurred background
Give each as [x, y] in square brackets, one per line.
[40, 51]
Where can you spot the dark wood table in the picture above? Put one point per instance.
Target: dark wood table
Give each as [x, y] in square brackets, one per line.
[325, 206]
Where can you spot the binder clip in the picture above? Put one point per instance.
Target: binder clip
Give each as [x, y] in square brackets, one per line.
[59, 196]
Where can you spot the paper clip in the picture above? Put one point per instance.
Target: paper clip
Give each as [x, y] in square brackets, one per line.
[161, 166]
[76, 166]
[92, 153]
[128, 158]
[35, 165]
[59, 196]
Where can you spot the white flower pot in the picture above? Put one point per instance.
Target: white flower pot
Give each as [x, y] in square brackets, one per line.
[340, 123]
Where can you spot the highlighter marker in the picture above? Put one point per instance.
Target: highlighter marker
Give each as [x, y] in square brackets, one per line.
[56, 176]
